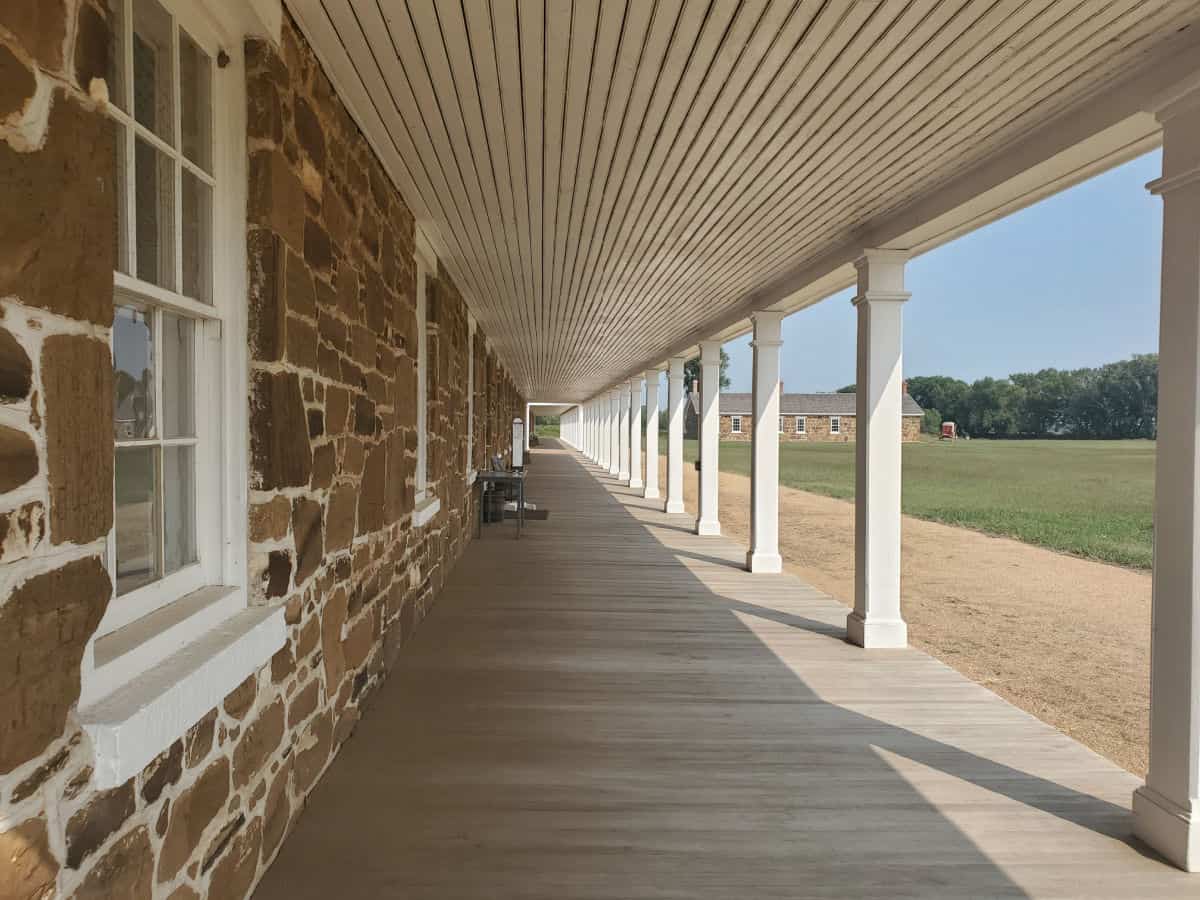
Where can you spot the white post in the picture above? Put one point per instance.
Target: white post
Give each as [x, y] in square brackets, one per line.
[623, 401]
[651, 489]
[614, 437]
[675, 401]
[635, 433]
[1166, 810]
[764, 462]
[528, 424]
[876, 620]
[602, 423]
[710, 435]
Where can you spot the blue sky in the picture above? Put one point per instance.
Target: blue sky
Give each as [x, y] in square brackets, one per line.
[1069, 282]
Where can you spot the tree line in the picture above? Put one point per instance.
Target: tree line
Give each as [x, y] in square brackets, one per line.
[1117, 400]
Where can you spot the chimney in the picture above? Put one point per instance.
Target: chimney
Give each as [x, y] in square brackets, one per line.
[904, 387]
[780, 387]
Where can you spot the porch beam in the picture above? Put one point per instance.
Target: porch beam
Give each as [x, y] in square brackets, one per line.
[635, 433]
[876, 621]
[764, 461]
[1166, 809]
[650, 491]
[707, 522]
[675, 401]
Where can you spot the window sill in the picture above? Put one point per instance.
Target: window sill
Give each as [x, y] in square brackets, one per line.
[425, 510]
[138, 721]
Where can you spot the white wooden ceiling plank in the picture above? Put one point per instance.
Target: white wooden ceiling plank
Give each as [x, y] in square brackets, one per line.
[657, 247]
[754, 264]
[764, 175]
[664, 24]
[372, 48]
[473, 67]
[756, 270]
[610, 36]
[345, 28]
[630, 54]
[808, 171]
[441, 32]
[531, 33]
[559, 27]
[836, 19]
[497, 22]
[589, 33]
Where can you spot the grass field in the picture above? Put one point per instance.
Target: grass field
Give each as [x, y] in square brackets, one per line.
[546, 429]
[1090, 498]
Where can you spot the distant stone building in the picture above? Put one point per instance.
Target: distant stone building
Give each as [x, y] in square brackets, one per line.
[828, 418]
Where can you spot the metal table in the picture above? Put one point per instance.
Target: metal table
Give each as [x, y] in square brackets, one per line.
[502, 478]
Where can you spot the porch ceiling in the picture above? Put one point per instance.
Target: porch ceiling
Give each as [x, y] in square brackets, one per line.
[605, 179]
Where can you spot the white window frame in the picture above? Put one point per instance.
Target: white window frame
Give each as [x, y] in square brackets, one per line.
[472, 474]
[139, 692]
[735, 424]
[426, 506]
[835, 424]
[801, 425]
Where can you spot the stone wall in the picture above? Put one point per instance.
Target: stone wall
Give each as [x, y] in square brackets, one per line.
[816, 429]
[56, 449]
[333, 449]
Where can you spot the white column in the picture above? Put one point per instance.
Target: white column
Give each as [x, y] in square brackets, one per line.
[1166, 810]
[623, 401]
[602, 447]
[635, 433]
[528, 424]
[710, 434]
[876, 620]
[764, 462]
[614, 437]
[651, 490]
[675, 401]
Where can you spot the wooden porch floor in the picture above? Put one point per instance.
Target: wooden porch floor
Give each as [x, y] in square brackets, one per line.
[611, 707]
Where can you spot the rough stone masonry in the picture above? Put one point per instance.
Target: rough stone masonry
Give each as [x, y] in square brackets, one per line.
[332, 411]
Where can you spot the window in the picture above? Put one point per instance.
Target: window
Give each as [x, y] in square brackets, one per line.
[835, 425]
[426, 506]
[177, 548]
[782, 424]
[800, 425]
[167, 334]
[737, 424]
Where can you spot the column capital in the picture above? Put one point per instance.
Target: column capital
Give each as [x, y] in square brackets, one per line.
[710, 352]
[651, 375]
[881, 275]
[675, 367]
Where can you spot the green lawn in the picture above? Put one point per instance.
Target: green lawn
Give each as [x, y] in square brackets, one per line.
[545, 429]
[1090, 498]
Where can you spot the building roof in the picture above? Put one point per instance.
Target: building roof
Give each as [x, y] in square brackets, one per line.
[799, 405]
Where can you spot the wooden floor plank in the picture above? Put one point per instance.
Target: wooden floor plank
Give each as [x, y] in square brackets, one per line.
[611, 707]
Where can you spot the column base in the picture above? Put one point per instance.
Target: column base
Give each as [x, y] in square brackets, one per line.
[674, 507]
[764, 563]
[613, 472]
[708, 527]
[650, 493]
[875, 634]
[1166, 827]
[622, 476]
[636, 483]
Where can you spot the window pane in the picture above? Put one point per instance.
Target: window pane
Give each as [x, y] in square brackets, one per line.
[153, 94]
[137, 517]
[179, 507]
[197, 238]
[154, 173]
[178, 381]
[133, 384]
[121, 231]
[195, 101]
[116, 54]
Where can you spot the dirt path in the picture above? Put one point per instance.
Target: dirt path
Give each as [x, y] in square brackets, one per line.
[1063, 638]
